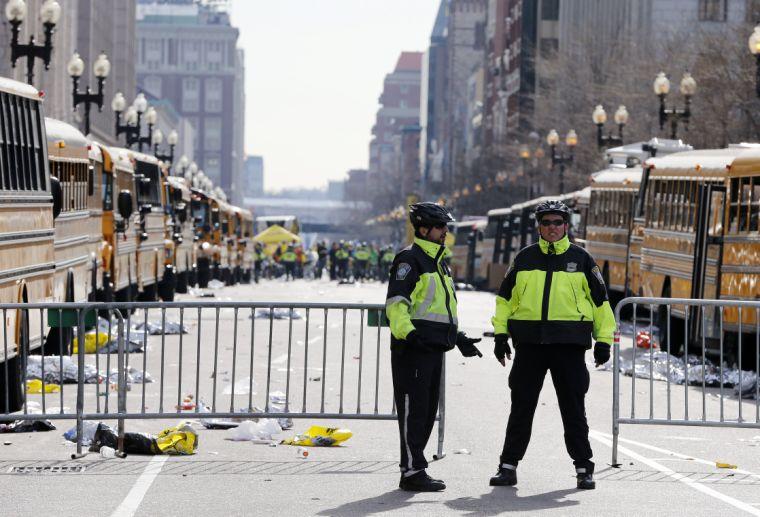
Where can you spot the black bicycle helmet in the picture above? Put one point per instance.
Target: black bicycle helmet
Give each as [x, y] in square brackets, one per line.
[429, 214]
[552, 207]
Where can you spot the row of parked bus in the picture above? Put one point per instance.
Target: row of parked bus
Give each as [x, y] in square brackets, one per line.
[80, 220]
[661, 220]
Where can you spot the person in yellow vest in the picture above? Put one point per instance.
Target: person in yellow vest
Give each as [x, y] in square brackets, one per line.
[341, 256]
[288, 259]
[422, 310]
[361, 261]
[551, 303]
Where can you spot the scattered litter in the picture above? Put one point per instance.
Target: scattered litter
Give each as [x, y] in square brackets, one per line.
[626, 328]
[277, 405]
[34, 387]
[277, 314]
[302, 453]
[259, 432]
[200, 293]
[346, 282]
[94, 340]
[27, 426]
[88, 432]
[178, 440]
[319, 436]
[722, 465]
[187, 403]
[242, 387]
[215, 284]
[461, 286]
[170, 327]
[107, 452]
[644, 340]
[462, 451]
[317, 378]
[133, 376]
[55, 374]
[7, 443]
[213, 452]
[665, 366]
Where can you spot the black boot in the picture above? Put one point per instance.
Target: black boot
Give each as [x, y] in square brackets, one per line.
[420, 482]
[504, 477]
[585, 479]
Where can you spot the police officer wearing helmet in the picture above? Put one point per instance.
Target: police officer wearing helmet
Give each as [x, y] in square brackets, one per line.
[551, 302]
[422, 310]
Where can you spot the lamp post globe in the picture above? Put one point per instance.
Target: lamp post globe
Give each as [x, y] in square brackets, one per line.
[661, 84]
[157, 137]
[151, 115]
[118, 103]
[75, 67]
[15, 10]
[599, 116]
[50, 12]
[688, 85]
[140, 103]
[621, 116]
[173, 138]
[571, 139]
[131, 115]
[754, 41]
[102, 67]
[552, 138]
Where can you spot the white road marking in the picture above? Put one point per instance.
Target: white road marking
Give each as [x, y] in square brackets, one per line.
[129, 505]
[677, 455]
[678, 477]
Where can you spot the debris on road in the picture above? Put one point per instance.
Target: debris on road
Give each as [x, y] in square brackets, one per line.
[462, 451]
[277, 405]
[178, 440]
[27, 426]
[187, 403]
[723, 465]
[34, 387]
[59, 370]
[88, 432]
[216, 284]
[319, 436]
[200, 293]
[302, 453]
[154, 328]
[277, 314]
[250, 431]
[94, 340]
[107, 452]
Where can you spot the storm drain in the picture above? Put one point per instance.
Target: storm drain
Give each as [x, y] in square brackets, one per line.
[47, 469]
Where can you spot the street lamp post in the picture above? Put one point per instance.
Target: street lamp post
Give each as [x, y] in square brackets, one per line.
[133, 117]
[675, 115]
[50, 13]
[172, 139]
[527, 173]
[754, 48]
[599, 116]
[562, 158]
[100, 69]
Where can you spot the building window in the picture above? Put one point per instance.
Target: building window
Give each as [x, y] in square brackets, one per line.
[190, 94]
[712, 10]
[214, 57]
[753, 11]
[152, 84]
[191, 54]
[212, 134]
[213, 169]
[548, 47]
[213, 95]
[550, 9]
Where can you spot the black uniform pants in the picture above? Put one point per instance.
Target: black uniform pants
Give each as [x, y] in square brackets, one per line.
[571, 382]
[416, 386]
[342, 268]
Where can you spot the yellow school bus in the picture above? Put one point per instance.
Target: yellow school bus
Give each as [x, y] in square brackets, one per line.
[27, 262]
[200, 209]
[244, 243]
[78, 228]
[701, 240]
[180, 225]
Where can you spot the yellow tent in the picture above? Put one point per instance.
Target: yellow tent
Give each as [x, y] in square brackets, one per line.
[275, 236]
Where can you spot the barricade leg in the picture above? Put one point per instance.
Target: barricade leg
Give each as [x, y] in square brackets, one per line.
[80, 383]
[441, 413]
[616, 397]
[121, 383]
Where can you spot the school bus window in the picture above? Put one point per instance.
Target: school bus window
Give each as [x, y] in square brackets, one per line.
[107, 190]
[743, 208]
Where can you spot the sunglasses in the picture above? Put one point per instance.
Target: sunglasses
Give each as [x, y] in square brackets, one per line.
[440, 226]
[552, 222]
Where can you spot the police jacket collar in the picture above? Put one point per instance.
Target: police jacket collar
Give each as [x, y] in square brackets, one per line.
[560, 246]
[431, 249]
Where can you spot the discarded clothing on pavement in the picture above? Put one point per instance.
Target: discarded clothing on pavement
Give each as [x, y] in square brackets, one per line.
[155, 329]
[319, 436]
[59, 370]
[178, 440]
[27, 426]
[278, 314]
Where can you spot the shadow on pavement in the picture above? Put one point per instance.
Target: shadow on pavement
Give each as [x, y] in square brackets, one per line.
[389, 501]
[507, 499]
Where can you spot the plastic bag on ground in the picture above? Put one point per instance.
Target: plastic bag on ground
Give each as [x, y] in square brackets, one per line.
[277, 314]
[88, 432]
[169, 328]
[178, 440]
[319, 436]
[133, 376]
[34, 387]
[27, 426]
[93, 340]
[277, 405]
[263, 430]
[54, 374]
[215, 284]
[134, 443]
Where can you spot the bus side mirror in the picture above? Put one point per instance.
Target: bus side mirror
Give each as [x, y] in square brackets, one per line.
[55, 190]
[124, 203]
[90, 180]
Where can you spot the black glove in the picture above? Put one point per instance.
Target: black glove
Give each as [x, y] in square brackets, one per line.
[501, 348]
[601, 353]
[414, 341]
[467, 346]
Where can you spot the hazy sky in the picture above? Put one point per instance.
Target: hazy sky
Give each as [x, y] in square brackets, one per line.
[314, 73]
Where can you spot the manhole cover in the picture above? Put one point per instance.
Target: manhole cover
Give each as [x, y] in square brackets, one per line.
[47, 469]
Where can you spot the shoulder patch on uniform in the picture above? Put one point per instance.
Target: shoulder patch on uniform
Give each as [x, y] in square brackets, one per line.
[598, 274]
[402, 270]
[572, 267]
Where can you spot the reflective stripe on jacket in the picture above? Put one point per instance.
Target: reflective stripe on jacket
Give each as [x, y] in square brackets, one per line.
[421, 296]
[554, 293]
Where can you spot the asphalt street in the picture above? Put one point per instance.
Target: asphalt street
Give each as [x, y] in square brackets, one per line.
[665, 470]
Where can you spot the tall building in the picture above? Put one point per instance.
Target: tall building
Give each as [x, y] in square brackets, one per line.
[187, 53]
[88, 27]
[399, 107]
[253, 176]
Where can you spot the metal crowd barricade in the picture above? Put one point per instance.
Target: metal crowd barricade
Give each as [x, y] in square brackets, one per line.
[210, 360]
[709, 338]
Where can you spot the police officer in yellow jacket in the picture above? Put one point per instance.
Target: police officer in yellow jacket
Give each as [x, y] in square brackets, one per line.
[422, 310]
[551, 302]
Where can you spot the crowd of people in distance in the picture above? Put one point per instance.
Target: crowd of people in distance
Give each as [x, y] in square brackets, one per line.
[344, 261]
